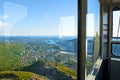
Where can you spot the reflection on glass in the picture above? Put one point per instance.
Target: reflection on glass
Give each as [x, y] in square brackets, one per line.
[105, 27]
[38, 39]
[92, 39]
[116, 33]
[116, 49]
[116, 23]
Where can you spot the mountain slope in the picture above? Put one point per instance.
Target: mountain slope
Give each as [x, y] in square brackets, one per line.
[9, 56]
[52, 70]
[20, 75]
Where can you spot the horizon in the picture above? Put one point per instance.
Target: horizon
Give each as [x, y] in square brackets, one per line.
[37, 35]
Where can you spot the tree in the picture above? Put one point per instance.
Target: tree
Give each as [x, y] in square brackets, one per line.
[96, 47]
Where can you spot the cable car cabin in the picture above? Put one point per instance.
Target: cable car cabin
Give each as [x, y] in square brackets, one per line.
[60, 39]
[99, 30]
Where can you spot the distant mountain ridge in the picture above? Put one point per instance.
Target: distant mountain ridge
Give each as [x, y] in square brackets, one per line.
[69, 45]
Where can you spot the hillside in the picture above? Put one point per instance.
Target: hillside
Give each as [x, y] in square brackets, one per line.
[68, 71]
[40, 56]
[10, 56]
[20, 75]
[52, 70]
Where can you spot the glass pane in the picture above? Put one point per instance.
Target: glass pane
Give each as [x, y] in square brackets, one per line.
[116, 33]
[116, 49]
[116, 23]
[105, 27]
[38, 39]
[92, 37]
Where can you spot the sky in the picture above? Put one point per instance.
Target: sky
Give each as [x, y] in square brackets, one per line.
[92, 20]
[38, 17]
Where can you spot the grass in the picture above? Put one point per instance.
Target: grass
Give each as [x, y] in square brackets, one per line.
[10, 56]
[20, 75]
[68, 71]
[89, 66]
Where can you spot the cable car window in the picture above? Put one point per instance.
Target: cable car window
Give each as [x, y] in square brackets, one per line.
[105, 27]
[116, 25]
[38, 39]
[116, 33]
[116, 49]
[92, 37]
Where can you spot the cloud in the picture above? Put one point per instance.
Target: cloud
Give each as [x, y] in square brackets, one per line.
[2, 21]
[5, 27]
[5, 17]
[3, 24]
